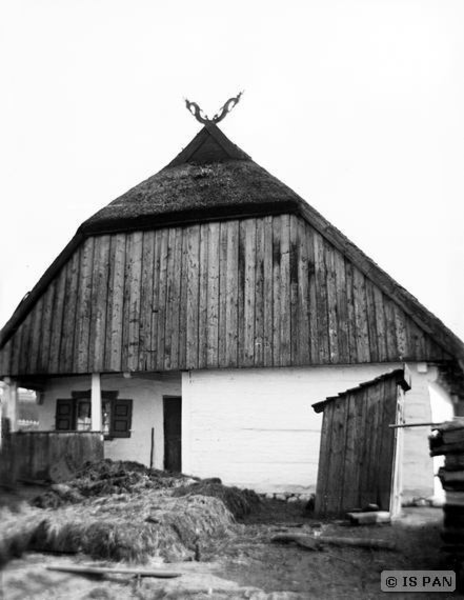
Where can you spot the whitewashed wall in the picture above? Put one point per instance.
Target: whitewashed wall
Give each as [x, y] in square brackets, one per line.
[256, 428]
[147, 396]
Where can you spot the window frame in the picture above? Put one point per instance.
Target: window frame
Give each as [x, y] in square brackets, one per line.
[120, 425]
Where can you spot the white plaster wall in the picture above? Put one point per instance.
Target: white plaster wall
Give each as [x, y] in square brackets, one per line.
[418, 469]
[256, 428]
[147, 396]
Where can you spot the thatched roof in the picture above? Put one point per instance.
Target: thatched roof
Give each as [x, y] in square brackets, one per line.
[210, 178]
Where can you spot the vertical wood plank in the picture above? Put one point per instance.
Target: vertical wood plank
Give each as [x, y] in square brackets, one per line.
[16, 351]
[56, 335]
[203, 304]
[241, 291]
[401, 334]
[323, 474]
[276, 290]
[162, 299]
[6, 361]
[99, 303]
[84, 307]
[69, 312]
[285, 314]
[387, 442]
[171, 359]
[392, 347]
[25, 344]
[134, 284]
[249, 291]
[365, 448]
[232, 294]
[342, 308]
[352, 471]
[313, 316]
[146, 301]
[193, 295]
[115, 308]
[416, 340]
[294, 272]
[33, 361]
[351, 316]
[372, 322]
[336, 458]
[376, 398]
[223, 231]
[182, 353]
[380, 325]
[321, 300]
[45, 330]
[360, 313]
[268, 307]
[301, 327]
[259, 296]
[155, 314]
[170, 298]
[127, 303]
[212, 301]
[332, 308]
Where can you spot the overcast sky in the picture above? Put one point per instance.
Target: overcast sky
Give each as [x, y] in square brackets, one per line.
[356, 105]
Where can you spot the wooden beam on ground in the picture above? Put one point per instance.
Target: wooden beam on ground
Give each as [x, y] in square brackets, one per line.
[87, 570]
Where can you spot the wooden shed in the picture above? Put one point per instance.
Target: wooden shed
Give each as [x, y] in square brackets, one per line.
[215, 287]
[360, 459]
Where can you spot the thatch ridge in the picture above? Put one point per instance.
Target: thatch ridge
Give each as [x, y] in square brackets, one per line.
[175, 191]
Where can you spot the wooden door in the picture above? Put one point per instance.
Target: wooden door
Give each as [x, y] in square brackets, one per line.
[360, 457]
[172, 408]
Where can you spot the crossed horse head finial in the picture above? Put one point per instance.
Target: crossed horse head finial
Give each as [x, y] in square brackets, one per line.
[200, 116]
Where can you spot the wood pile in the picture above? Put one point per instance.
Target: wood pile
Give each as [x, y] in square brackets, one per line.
[448, 440]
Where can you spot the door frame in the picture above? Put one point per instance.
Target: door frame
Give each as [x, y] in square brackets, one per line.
[168, 398]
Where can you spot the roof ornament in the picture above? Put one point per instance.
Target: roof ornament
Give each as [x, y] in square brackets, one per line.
[200, 116]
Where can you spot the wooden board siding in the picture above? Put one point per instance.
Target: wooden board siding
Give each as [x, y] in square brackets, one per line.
[357, 452]
[262, 292]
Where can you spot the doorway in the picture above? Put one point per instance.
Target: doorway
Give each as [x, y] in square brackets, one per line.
[172, 412]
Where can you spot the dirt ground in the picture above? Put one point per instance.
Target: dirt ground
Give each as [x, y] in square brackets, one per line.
[246, 564]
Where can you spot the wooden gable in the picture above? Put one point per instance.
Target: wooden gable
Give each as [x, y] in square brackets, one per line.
[266, 291]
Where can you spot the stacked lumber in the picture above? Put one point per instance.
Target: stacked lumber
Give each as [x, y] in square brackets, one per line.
[448, 440]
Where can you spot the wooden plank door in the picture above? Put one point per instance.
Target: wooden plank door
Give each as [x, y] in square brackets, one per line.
[172, 409]
[360, 454]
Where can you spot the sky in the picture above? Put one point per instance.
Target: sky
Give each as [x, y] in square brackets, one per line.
[356, 105]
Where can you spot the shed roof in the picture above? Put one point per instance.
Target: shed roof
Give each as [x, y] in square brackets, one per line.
[401, 376]
[213, 179]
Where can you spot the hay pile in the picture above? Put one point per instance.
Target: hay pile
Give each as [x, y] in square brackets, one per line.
[239, 502]
[106, 477]
[134, 527]
[17, 528]
[123, 511]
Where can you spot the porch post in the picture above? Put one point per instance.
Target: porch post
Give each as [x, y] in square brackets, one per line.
[11, 403]
[95, 402]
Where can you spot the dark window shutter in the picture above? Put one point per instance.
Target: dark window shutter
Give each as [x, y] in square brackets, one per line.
[121, 418]
[65, 415]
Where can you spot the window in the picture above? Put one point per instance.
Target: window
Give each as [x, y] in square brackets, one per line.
[74, 414]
